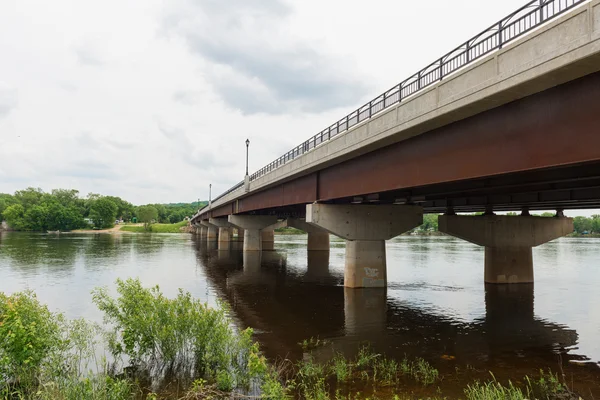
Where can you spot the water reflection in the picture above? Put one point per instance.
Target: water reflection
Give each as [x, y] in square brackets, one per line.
[285, 308]
[436, 305]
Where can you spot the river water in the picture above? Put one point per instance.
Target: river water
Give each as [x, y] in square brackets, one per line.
[436, 305]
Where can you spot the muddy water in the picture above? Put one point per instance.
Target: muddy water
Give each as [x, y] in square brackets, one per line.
[436, 305]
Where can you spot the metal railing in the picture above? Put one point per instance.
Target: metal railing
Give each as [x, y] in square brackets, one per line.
[525, 19]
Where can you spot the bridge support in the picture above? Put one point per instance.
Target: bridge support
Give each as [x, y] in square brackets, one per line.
[252, 225]
[508, 241]
[225, 232]
[365, 228]
[240, 235]
[318, 238]
[212, 231]
[267, 238]
[267, 235]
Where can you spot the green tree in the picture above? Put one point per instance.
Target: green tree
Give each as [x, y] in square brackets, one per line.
[582, 224]
[14, 215]
[6, 200]
[103, 212]
[430, 222]
[147, 214]
[29, 197]
[596, 223]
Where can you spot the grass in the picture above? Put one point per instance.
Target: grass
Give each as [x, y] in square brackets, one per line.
[162, 341]
[155, 228]
[547, 386]
[289, 231]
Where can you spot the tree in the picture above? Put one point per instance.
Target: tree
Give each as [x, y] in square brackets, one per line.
[582, 225]
[14, 216]
[103, 212]
[147, 214]
[596, 223]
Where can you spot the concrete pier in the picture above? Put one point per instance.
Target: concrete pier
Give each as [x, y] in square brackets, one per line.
[252, 225]
[225, 232]
[267, 238]
[508, 241]
[212, 231]
[318, 238]
[365, 228]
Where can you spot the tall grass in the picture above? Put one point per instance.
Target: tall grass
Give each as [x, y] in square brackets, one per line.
[155, 228]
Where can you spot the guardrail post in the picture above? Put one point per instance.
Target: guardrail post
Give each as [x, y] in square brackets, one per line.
[500, 34]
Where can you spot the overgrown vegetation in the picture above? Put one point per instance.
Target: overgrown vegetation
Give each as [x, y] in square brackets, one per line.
[154, 341]
[547, 386]
[32, 209]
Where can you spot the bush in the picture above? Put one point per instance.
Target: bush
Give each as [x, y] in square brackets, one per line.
[28, 334]
[182, 335]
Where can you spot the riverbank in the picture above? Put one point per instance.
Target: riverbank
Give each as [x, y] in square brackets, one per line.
[179, 227]
[207, 358]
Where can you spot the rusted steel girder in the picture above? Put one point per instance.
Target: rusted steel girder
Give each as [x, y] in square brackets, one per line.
[559, 127]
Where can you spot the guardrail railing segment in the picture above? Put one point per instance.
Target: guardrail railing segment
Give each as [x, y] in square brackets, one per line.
[530, 16]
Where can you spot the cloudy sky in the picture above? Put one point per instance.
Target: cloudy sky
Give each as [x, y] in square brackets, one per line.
[152, 100]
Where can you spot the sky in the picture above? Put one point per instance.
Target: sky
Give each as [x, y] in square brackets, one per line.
[153, 100]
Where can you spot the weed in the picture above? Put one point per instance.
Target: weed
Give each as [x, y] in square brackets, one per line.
[365, 357]
[312, 343]
[423, 372]
[341, 368]
[385, 371]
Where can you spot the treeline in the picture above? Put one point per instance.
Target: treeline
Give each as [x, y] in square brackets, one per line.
[64, 209]
[581, 225]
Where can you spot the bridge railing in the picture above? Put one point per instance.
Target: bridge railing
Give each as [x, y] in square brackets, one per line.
[530, 16]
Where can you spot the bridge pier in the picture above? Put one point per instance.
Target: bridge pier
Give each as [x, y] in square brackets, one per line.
[267, 238]
[508, 241]
[365, 228]
[252, 225]
[212, 231]
[225, 232]
[318, 238]
[240, 235]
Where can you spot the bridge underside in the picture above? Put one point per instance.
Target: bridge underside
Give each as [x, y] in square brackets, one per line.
[539, 152]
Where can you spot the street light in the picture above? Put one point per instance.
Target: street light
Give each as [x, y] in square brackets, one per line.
[247, 145]
[209, 194]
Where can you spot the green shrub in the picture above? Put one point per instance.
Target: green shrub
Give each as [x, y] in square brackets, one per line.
[181, 334]
[28, 334]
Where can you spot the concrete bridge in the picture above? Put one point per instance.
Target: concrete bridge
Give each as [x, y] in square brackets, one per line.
[508, 121]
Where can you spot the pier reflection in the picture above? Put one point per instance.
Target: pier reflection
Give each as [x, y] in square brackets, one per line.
[285, 308]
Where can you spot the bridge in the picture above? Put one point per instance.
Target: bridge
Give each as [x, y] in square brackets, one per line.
[507, 121]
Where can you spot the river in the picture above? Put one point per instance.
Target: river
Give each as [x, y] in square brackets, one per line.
[436, 305]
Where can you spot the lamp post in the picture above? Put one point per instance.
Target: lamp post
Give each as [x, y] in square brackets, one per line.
[209, 194]
[247, 145]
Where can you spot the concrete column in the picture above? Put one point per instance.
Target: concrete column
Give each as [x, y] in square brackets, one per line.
[365, 264]
[203, 231]
[267, 240]
[365, 228]
[240, 234]
[508, 241]
[252, 225]
[212, 233]
[225, 232]
[318, 238]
